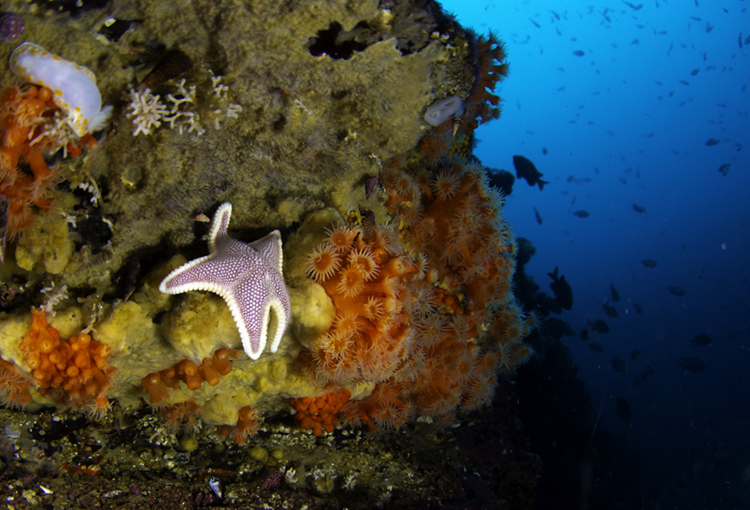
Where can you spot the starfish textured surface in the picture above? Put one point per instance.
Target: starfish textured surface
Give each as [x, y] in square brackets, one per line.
[247, 276]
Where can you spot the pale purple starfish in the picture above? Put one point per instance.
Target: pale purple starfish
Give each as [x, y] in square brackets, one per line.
[247, 276]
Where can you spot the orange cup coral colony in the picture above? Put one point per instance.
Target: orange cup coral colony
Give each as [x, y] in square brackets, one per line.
[426, 314]
[22, 117]
[29, 128]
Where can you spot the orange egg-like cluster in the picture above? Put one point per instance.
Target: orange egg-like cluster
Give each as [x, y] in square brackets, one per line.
[157, 384]
[76, 371]
[320, 413]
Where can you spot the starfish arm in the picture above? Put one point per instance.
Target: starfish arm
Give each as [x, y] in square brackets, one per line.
[269, 250]
[188, 277]
[250, 303]
[219, 225]
[281, 316]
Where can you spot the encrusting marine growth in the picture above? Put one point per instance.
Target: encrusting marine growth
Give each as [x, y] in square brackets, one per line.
[401, 308]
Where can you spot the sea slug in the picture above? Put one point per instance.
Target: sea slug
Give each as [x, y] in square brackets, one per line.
[73, 85]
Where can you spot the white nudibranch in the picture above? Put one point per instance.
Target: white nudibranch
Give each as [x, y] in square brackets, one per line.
[73, 86]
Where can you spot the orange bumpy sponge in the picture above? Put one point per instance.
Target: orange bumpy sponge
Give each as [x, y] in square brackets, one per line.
[157, 384]
[74, 371]
[320, 413]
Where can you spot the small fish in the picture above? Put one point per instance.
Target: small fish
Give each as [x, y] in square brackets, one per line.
[584, 334]
[613, 292]
[724, 169]
[635, 354]
[525, 169]
[638, 308]
[579, 53]
[581, 214]
[709, 27]
[693, 365]
[747, 40]
[596, 347]
[701, 340]
[634, 7]
[562, 290]
[639, 208]
[649, 263]
[711, 142]
[647, 372]
[740, 40]
[684, 82]
[623, 410]
[694, 72]
[599, 326]
[535, 23]
[544, 150]
[618, 365]
[538, 216]
[611, 311]
[677, 291]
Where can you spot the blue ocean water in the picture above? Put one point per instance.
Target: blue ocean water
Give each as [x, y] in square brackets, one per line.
[615, 102]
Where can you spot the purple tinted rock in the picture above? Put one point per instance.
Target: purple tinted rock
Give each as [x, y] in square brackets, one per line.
[11, 27]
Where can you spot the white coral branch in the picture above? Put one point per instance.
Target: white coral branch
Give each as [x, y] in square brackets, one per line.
[146, 110]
